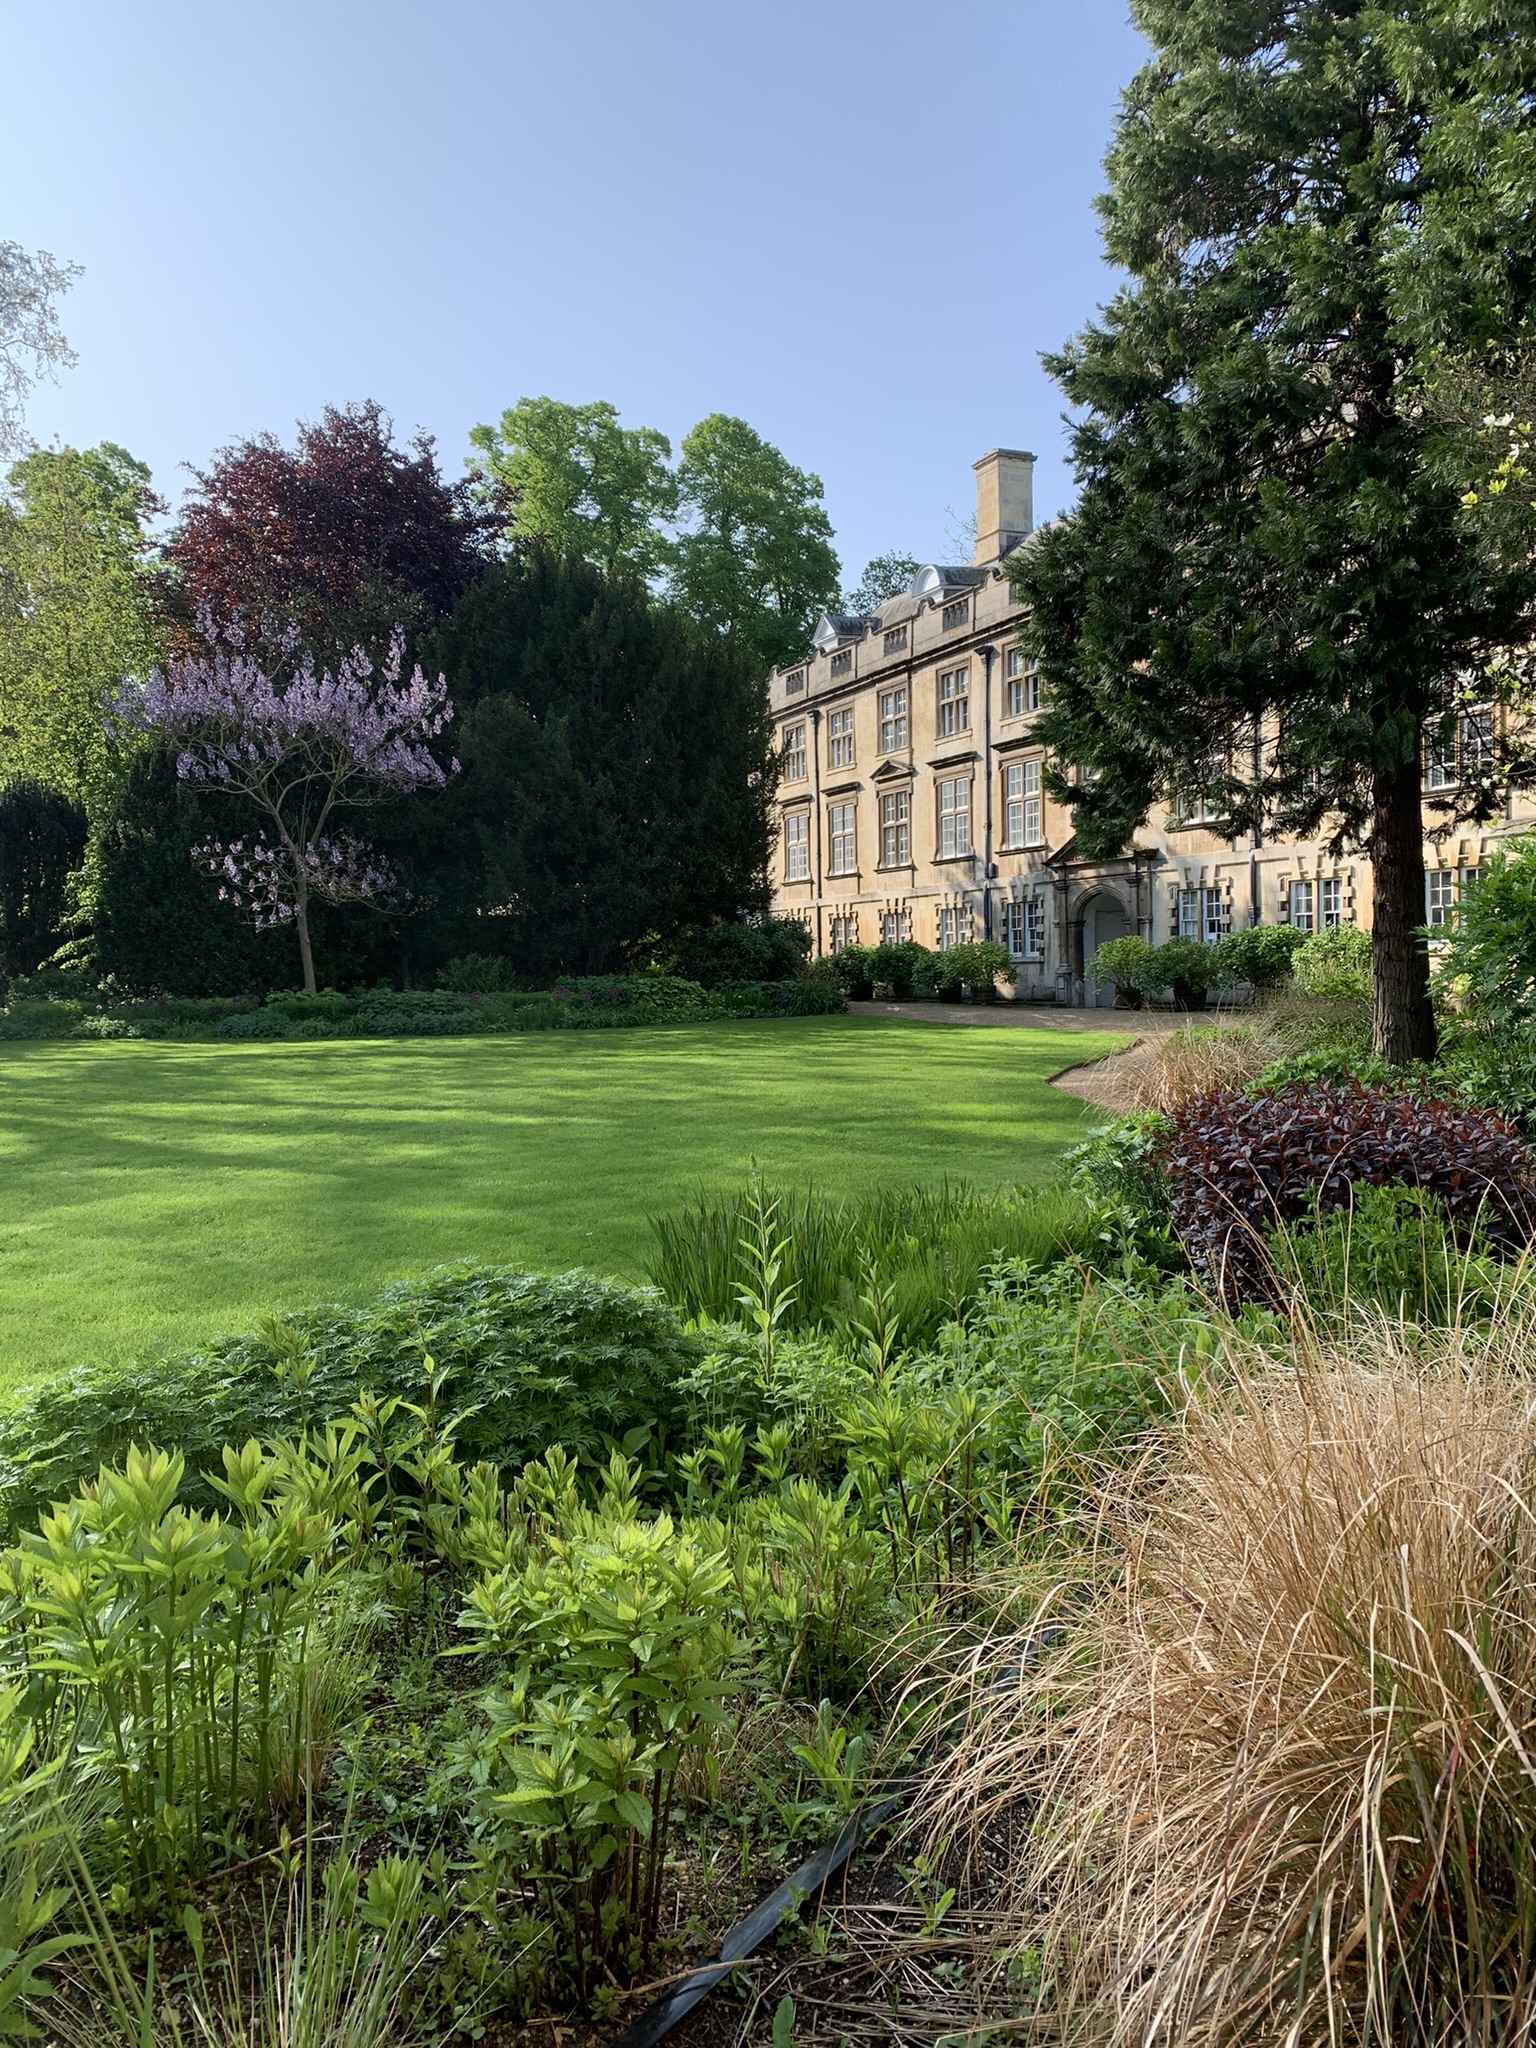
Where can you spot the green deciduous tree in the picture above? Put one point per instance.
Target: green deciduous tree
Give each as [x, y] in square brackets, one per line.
[1268, 539]
[755, 560]
[617, 773]
[884, 577]
[76, 609]
[581, 482]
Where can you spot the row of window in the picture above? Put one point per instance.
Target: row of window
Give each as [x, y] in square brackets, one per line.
[1023, 927]
[1023, 824]
[953, 716]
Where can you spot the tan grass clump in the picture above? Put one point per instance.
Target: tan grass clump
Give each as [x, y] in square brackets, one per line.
[1200, 1059]
[1280, 1773]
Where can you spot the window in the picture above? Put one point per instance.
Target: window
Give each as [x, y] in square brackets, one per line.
[1024, 928]
[845, 931]
[954, 702]
[1203, 914]
[895, 639]
[1470, 877]
[953, 925]
[896, 830]
[1476, 742]
[1198, 807]
[1449, 759]
[956, 614]
[840, 837]
[954, 817]
[1022, 819]
[893, 721]
[794, 753]
[797, 847]
[895, 928]
[842, 663]
[1439, 897]
[1300, 904]
[1330, 903]
[794, 682]
[1439, 761]
[840, 732]
[1023, 684]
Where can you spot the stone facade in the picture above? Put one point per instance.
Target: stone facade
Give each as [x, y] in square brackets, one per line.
[912, 803]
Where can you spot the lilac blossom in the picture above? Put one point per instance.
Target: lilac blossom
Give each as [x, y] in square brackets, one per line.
[300, 743]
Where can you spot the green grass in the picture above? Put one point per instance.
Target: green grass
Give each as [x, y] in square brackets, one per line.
[151, 1194]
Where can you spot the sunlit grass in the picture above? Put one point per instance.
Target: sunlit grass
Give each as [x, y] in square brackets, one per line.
[151, 1194]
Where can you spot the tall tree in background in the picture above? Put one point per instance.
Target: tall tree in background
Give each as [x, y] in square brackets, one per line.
[755, 561]
[618, 772]
[42, 841]
[884, 577]
[32, 344]
[575, 479]
[344, 535]
[76, 609]
[1268, 540]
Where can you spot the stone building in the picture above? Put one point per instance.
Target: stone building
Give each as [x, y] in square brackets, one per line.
[912, 803]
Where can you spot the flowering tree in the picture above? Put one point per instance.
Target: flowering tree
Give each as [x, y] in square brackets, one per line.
[300, 743]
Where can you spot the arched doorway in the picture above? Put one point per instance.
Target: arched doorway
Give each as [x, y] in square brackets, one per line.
[1104, 918]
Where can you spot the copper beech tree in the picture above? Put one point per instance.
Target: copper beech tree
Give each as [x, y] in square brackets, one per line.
[299, 743]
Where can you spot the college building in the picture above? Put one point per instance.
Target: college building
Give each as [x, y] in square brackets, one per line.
[912, 801]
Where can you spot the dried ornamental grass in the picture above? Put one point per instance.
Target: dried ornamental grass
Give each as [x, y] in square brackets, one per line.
[1202, 1059]
[1281, 1771]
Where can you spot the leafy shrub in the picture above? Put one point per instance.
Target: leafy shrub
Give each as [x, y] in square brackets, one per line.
[1239, 1164]
[854, 971]
[1131, 964]
[1260, 956]
[1494, 1068]
[1188, 969]
[723, 955]
[41, 1019]
[1393, 1248]
[781, 999]
[978, 965]
[529, 1360]
[1119, 1170]
[1335, 965]
[478, 974]
[905, 968]
[1488, 960]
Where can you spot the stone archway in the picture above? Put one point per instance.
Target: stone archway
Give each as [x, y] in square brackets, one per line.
[1100, 917]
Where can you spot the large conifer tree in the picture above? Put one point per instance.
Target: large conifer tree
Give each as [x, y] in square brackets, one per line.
[1269, 544]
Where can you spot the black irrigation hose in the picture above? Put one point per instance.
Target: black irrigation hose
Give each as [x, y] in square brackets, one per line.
[764, 1917]
[792, 1894]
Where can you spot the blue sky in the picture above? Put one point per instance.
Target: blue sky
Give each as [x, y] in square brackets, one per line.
[855, 224]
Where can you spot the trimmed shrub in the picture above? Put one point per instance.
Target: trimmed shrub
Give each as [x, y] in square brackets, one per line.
[1260, 956]
[1131, 964]
[1240, 1164]
[906, 969]
[1335, 965]
[781, 999]
[725, 955]
[854, 972]
[1188, 969]
[979, 965]
[526, 1361]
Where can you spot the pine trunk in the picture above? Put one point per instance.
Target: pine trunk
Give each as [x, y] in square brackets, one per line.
[1405, 1018]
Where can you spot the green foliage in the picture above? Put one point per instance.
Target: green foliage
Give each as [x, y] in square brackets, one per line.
[1266, 532]
[1488, 960]
[906, 968]
[766, 949]
[1260, 956]
[42, 839]
[1188, 969]
[1131, 964]
[75, 610]
[1118, 1171]
[1335, 965]
[578, 481]
[1183, 966]
[526, 1360]
[978, 964]
[754, 560]
[930, 1247]
[886, 576]
[1392, 1249]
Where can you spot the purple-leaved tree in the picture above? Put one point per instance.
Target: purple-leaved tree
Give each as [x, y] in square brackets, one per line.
[301, 743]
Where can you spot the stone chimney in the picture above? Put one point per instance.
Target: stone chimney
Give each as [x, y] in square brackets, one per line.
[1005, 501]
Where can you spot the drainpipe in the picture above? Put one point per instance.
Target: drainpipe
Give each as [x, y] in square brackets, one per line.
[816, 812]
[988, 656]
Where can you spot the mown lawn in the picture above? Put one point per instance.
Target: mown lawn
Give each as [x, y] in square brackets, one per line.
[151, 1194]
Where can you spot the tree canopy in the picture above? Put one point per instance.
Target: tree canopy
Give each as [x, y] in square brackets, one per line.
[77, 609]
[577, 480]
[883, 578]
[345, 535]
[32, 343]
[1269, 587]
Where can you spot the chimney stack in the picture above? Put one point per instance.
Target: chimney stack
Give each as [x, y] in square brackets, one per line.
[1005, 501]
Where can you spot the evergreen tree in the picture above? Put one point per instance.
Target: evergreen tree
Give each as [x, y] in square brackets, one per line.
[1269, 585]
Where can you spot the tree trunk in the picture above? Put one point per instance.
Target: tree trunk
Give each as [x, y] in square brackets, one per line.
[301, 919]
[1404, 1016]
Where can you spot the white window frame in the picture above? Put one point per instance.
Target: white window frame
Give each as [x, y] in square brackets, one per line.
[793, 752]
[954, 702]
[844, 929]
[1299, 903]
[1439, 897]
[842, 839]
[952, 925]
[1330, 902]
[840, 737]
[797, 846]
[893, 720]
[1203, 913]
[954, 795]
[1024, 927]
[896, 829]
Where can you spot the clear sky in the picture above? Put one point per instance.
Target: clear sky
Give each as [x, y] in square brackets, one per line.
[854, 223]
